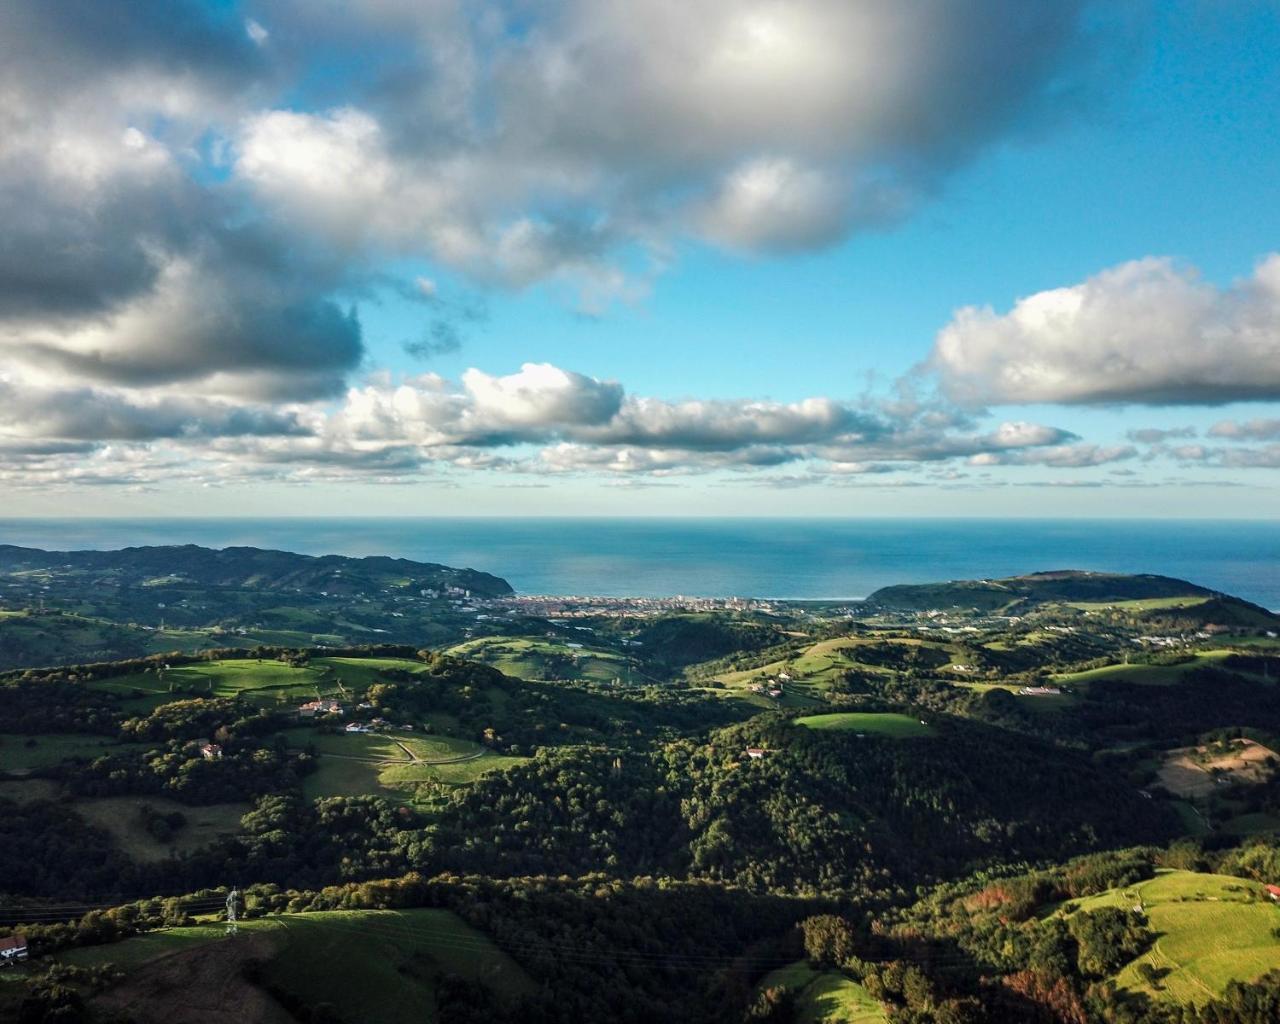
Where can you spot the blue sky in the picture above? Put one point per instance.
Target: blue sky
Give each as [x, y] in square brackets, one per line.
[641, 288]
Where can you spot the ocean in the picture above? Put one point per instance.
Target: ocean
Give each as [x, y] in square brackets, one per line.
[780, 558]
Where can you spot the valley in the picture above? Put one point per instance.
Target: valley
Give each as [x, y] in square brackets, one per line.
[739, 811]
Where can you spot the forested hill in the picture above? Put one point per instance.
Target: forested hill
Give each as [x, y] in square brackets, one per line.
[252, 568]
[1018, 594]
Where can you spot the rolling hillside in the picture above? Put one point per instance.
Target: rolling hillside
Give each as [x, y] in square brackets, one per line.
[1162, 600]
[246, 568]
[1210, 930]
[387, 966]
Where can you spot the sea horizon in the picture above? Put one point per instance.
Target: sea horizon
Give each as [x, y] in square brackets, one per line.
[766, 557]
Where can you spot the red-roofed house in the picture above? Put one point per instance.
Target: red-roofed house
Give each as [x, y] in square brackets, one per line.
[1274, 892]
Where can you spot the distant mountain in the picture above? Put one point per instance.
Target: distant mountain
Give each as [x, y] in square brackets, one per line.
[243, 568]
[1171, 602]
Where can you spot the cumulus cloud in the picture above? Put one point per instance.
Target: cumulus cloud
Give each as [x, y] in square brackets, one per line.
[589, 425]
[1147, 331]
[540, 419]
[56, 414]
[1067, 456]
[121, 260]
[1250, 430]
[775, 203]
[1264, 457]
[523, 147]
[189, 210]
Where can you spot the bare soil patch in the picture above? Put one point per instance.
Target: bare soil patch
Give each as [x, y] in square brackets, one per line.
[198, 986]
[1194, 772]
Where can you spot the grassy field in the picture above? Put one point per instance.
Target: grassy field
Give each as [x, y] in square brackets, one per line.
[532, 658]
[813, 667]
[819, 666]
[360, 673]
[1148, 604]
[1048, 702]
[120, 816]
[1211, 929]
[378, 965]
[871, 722]
[1153, 675]
[390, 746]
[18, 753]
[392, 765]
[265, 681]
[826, 997]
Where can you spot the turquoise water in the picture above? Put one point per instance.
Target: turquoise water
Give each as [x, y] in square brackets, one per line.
[796, 558]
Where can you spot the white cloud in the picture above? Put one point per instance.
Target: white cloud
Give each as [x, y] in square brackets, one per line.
[1147, 331]
[774, 203]
[546, 147]
[1066, 456]
[1251, 430]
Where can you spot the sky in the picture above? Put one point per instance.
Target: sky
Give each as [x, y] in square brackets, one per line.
[736, 257]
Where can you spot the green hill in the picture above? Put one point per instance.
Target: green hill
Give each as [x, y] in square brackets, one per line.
[1155, 602]
[247, 568]
[1210, 930]
[825, 997]
[869, 723]
[675, 641]
[1061, 586]
[369, 965]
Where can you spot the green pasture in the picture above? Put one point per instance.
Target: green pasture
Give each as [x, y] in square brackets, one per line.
[825, 997]
[1040, 703]
[385, 746]
[121, 818]
[1147, 604]
[360, 673]
[1152, 675]
[395, 955]
[44, 750]
[815, 669]
[379, 764]
[266, 681]
[878, 723]
[533, 658]
[1210, 930]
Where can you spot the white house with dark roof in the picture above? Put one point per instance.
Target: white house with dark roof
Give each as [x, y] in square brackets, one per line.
[12, 949]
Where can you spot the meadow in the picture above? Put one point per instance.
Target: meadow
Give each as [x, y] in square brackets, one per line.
[872, 723]
[817, 668]
[392, 765]
[121, 818]
[1134, 672]
[44, 750]
[1146, 604]
[398, 955]
[825, 997]
[264, 681]
[537, 659]
[1210, 930]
